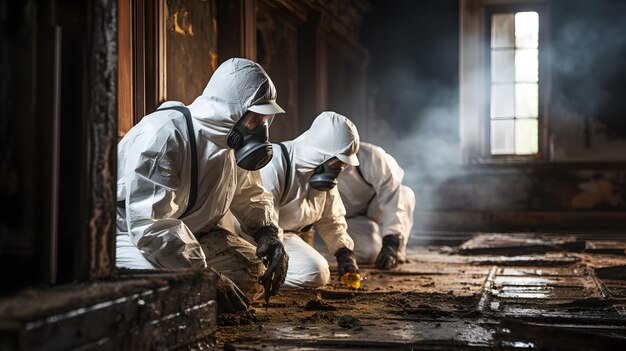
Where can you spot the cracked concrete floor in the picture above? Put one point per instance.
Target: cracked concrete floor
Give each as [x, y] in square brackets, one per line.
[443, 300]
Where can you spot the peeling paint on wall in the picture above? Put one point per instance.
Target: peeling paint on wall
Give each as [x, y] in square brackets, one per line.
[597, 193]
[191, 42]
[184, 26]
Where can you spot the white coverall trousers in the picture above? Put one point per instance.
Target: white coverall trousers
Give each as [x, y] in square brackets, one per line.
[307, 267]
[366, 232]
[226, 252]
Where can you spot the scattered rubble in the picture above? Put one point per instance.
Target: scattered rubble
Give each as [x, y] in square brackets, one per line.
[439, 305]
[350, 322]
[239, 318]
[319, 317]
[319, 305]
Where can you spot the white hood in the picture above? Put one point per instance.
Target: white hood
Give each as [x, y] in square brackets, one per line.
[331, 135]
[154, 173]
[236, 85]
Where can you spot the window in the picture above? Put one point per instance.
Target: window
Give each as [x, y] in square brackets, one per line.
[503, 81]
[514, 98]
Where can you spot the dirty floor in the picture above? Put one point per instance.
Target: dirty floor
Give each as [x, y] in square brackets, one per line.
[570, 297]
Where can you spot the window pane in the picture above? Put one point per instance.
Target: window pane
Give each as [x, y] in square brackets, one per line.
[526, 100]
[502, 66]
[502, 30]
[526, 29]
[526, 136]
[502, 137]
[526, 65]
[514, 104]
[502, 100]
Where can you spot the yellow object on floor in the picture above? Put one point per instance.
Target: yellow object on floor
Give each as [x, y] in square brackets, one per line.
[351, 280]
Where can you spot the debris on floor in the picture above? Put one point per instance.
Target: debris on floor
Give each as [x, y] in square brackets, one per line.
[350, 322]
[563, 299]
[239, 318]
[319, 305]
[605, 247]
[517, 244]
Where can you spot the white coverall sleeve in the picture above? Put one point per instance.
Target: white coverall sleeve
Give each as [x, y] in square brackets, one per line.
[385, 176]
[252, 205]
[332, 226]
[153, 185]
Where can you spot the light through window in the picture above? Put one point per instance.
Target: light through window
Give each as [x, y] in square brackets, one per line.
[514, 106]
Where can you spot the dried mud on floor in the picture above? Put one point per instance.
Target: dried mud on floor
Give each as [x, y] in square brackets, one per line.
[444, 300]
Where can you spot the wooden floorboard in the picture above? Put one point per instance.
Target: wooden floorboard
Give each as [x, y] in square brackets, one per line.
[444, 300]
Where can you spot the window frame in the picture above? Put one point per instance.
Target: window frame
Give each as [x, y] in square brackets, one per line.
[475, 88]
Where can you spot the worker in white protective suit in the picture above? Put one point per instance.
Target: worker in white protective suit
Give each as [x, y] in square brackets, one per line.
[181, 168]
[302, 178]
[379, 208]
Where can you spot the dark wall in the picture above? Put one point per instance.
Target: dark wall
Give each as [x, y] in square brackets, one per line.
[414, 112]
[414, 59]
[18, 33]
[57, 100]
[413, 84]
[277, 40]
[588, 66]
[414, 73]
[191, 37]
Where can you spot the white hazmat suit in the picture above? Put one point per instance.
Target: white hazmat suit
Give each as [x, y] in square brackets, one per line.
[300, 207]
[376, 202]
[153, 186]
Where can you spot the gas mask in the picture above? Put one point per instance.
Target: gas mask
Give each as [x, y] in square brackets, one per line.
[250, 140]
[325, 175]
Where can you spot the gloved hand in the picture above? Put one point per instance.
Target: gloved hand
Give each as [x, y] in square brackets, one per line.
[273, 254]
[346, 262]
[390, 255]
[229, 297]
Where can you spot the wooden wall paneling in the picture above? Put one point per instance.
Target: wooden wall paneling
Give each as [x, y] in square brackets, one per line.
[48, 115]
[229, 29]
[237, 29]
[192, 56]
[142, 60]
[277, 51]
[321, 70]
[125, 75]
[345, 91]
[149, 56]
[155, 78]
[248, 40]
[310, 88]
[138, 55]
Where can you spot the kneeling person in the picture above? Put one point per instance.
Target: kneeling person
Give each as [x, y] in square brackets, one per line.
[209, 151]
[302, 178]
[379, 208]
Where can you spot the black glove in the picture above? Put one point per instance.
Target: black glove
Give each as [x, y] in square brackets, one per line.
[390, 255]
[229, 297]
[346, 262]
[273, 254]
